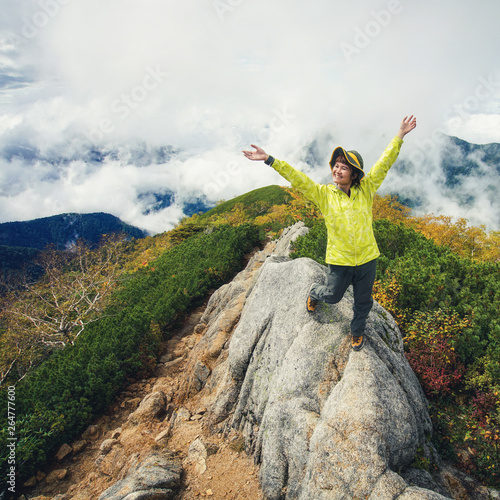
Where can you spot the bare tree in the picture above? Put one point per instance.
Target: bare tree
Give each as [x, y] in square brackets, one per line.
[39, 318]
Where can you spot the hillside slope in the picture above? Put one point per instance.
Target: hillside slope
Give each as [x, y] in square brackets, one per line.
[250, 370]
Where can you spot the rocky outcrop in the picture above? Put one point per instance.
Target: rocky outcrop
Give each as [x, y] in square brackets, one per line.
[323, 421]
[157, 477]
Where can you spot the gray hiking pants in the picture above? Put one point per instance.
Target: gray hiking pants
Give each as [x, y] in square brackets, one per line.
[339, 278]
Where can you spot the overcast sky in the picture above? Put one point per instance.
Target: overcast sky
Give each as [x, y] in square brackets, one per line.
[210, 77]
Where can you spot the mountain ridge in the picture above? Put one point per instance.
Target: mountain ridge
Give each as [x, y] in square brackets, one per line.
[22, 241]
[62, 230]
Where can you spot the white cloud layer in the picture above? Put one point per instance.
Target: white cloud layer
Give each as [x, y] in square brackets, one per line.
[211, 77]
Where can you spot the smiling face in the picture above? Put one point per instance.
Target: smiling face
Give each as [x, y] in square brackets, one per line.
[342, 173]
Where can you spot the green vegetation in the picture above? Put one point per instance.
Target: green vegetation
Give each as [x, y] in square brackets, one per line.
[15, 259]
[252, 202]
[58, 399]
[44, 316]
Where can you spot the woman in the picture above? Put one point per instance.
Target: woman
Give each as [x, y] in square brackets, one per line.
[352, 251]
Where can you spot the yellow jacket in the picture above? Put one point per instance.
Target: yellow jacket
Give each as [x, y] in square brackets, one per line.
[351, 241]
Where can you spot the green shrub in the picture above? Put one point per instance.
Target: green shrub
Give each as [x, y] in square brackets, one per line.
[57, 401]
[312, 245]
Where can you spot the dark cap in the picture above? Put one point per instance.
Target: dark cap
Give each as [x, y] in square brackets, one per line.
[353, 158]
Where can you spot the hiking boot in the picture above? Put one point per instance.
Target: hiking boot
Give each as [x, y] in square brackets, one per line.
[311, 304]
[357, 342]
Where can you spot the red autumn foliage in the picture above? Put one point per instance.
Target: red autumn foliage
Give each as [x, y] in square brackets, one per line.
[436, 364]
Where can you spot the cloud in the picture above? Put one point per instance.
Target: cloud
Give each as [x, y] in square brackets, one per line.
[449, 180]
[210, 78]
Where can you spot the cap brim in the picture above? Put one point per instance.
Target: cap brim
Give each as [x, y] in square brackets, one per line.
[351, 159]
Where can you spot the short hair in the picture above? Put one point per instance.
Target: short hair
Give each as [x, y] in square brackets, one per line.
[355, 174]
[341, 159]
[355, 179]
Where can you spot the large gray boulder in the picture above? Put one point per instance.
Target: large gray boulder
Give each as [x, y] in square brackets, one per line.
[158, 477]
[323, 421]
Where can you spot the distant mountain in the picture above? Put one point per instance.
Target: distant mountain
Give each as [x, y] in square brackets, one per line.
[155, 202]
[451, 177]
[490, 152]
[21, 242]
[139, 154]
[63, 230]
[468, 162]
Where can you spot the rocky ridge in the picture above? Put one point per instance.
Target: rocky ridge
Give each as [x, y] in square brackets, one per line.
[253, 370]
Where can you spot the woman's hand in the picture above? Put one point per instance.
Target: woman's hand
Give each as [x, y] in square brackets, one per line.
[407, 125]
[258, 155]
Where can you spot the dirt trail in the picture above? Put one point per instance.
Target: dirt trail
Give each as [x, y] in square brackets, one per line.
[230, 473]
